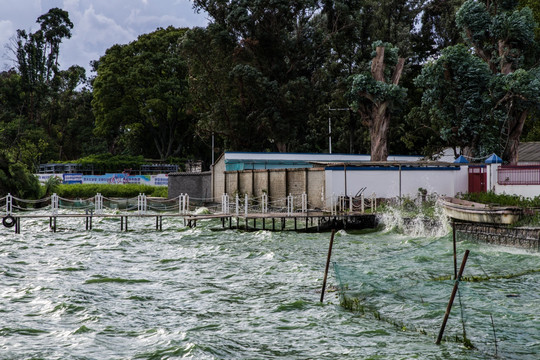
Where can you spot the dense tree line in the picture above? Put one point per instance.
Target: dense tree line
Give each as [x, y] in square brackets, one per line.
[399, 76]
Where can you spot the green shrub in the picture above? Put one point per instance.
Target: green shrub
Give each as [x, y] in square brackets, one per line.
[17, 180]
[84, 191]
[110, 163]
[502, 199]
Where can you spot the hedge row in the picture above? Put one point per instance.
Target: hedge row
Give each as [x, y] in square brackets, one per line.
[84, 191]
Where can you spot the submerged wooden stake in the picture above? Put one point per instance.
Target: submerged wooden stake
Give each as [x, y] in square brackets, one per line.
[327, 263]
[451, 301]
[454, 241]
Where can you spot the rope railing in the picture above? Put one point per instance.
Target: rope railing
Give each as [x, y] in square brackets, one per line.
[239, 204]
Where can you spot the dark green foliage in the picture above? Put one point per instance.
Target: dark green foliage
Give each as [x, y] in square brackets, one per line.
[111, 163]
[51, 186]
[502, 199]
[473, 110]
[16, 180]
[456, 102]
[376, 96]
[85, 191]
[438, 29]
[141, 98]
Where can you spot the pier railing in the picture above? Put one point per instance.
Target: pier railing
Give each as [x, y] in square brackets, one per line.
[239, 204]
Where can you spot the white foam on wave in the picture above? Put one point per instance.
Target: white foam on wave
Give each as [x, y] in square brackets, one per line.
[418, 225]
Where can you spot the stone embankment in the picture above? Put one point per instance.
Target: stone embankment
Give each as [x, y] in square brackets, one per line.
[520, 237]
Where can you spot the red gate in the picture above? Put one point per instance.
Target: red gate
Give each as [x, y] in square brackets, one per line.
[477, 178]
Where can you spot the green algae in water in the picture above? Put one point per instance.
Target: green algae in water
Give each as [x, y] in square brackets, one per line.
[135, 309]
[102, 280]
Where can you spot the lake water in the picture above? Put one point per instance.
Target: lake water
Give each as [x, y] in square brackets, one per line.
[206, 294]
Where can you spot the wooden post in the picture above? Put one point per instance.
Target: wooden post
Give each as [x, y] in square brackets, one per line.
[327, 264]
[454, 242]
[121, 223]
[451, 301]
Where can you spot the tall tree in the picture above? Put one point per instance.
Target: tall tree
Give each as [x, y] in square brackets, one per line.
[377, 95]
[501, 35]
[456, 102]
[37, 58]
[437, 28]
[275, 54]
[141, 95]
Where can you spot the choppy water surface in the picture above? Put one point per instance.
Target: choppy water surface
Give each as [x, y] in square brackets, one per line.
[205, 294]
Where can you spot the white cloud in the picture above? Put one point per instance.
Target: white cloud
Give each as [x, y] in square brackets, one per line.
[6, 32]
[92, 35]
[98, 24]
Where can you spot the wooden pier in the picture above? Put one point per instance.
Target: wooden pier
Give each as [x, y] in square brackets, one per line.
[305, 222]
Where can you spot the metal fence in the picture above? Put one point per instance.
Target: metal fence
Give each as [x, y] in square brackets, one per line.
[518, 175]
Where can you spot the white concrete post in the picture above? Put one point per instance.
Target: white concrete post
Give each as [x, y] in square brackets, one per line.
[54, 204]
[304, 202]
[98, 203]
[246, 204]
[141, 204]
[180, 203]
[9, 204]
[290, 204]
[225, 203]
[237, 205]
[183, 203]
[264, 205]
[362, 202]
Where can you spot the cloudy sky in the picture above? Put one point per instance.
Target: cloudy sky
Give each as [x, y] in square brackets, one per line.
[98, 24]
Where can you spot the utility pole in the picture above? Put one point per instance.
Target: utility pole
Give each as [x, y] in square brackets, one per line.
[212, 148]
[330, 126]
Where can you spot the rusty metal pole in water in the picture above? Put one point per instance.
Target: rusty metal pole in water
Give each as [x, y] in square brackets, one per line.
[327, 263]
[451, 301]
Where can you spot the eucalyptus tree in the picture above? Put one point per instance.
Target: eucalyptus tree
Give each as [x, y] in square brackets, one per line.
[377, 96]
[352, 27]
[436, 29]
[456, 102]
[270, 51]
[37, 58]
[501, 35]
[70, 117]
[140, 96]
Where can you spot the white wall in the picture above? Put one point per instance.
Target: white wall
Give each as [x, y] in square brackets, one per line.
[247, 156]
[386, 183]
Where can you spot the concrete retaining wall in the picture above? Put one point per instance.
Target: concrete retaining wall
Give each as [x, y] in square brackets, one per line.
[276, 183]
[196, 185]
[526, 238]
